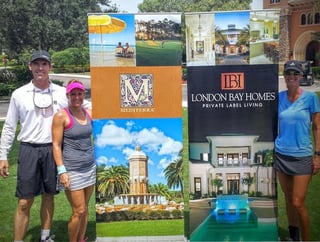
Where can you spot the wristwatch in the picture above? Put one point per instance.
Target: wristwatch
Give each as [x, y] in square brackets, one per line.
[317, 153]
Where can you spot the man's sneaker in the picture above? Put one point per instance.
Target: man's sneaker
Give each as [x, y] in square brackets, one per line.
[48, 239]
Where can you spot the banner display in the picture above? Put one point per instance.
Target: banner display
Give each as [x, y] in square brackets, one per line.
[232, 68]
[137, 125]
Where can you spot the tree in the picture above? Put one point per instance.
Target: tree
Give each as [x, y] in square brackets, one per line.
[113, 181]
[217, 183]
[46, 24]
[192, 5]
[248, 180]
[174, 173]
[268, 158]
[160, 189]
[244, 35]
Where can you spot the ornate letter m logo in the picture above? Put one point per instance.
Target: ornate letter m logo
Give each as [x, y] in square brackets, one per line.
[136, 90]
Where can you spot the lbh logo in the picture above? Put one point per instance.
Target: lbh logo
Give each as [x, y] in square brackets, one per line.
[232, 81]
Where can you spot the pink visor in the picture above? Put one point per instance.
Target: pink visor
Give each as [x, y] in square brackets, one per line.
[75, 85]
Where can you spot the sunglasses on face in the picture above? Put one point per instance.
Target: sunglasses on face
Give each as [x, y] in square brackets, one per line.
[295, 73]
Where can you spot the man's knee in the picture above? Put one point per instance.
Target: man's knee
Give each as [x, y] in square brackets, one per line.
[24, 205]
[47, 200]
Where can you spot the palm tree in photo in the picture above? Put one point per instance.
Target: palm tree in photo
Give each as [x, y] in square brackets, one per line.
[248, 180]
[113, 181]
[217, 183]
[174, 173]
[267, 162]
[160, 189]
[220, 38]
[244, 36]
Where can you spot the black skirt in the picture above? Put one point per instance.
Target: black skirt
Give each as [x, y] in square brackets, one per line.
[293, 165]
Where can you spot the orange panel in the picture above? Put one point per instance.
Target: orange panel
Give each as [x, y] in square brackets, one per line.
[164, 91]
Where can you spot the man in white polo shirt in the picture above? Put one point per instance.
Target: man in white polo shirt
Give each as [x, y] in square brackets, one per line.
[33, 106]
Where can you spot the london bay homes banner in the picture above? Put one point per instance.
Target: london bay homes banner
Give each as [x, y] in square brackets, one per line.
[136, 97]
[232, 67]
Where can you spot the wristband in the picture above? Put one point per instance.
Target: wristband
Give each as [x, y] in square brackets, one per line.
[61, 169]
[317, 153]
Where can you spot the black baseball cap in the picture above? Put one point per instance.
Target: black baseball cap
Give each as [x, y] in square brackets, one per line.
[293, 65]
[40, 54]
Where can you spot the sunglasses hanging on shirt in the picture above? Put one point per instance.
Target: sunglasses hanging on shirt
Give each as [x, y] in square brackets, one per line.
[42, 100]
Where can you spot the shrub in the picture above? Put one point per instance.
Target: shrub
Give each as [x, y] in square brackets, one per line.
[22, 73]
[101, 217]
[130, 215]
[153, 214]
[117, 216]
[108, 217]
[58, 82]
[8, 82]
[164, 214]
[11, 79]
[258, 194]
[316, 71]
[140, 215]
[71, 60]
[176, 214]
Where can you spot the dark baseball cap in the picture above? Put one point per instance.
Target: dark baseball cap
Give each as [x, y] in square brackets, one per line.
[40, 54]
[293, 65]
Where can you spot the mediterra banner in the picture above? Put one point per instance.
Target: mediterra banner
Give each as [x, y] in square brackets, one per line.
[135, 64]
[232, 69]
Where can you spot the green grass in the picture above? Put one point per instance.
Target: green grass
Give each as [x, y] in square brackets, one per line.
[62, 213]
[8, 203]
[141, 228]
[313, 206]
[150, 53]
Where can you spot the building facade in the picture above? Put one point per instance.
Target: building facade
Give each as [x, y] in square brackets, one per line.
[227, 165]
[299, 20]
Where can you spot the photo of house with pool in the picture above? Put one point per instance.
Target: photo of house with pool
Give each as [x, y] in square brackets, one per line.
[232, 116]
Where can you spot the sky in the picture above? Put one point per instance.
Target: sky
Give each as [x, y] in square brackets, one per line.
[240, 19]
[129, 6]
[127, 35]
[159, 138]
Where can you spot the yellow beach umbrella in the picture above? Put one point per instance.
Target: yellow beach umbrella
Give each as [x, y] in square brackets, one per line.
[105, 24]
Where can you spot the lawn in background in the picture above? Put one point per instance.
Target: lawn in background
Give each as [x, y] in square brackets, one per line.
[160, 227]
[151, 53]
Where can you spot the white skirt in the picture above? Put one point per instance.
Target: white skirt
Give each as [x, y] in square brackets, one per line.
[80, 179]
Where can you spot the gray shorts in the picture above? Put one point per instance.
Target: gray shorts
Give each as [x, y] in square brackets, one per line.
[80, 179]
[37, 173]
[293, 165]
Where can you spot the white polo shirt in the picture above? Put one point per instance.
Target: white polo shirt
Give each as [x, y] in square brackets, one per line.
[35, 122]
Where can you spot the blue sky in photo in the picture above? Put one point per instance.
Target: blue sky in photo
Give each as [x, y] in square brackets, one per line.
[240, 19]
[126, 35]
[159, 138]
